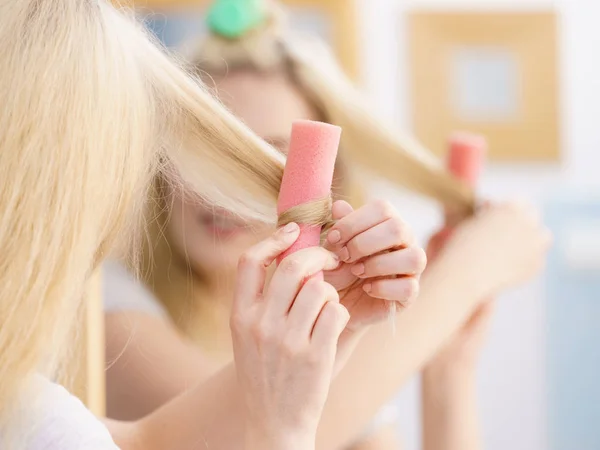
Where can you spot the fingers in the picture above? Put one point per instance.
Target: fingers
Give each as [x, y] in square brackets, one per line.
[530, 216]
[407, 261]
[392, 233]
[252, 267]
[403, 290]
[291, 275]
[330, 324]
[356, 222]
[340, 209]
[307, 307]
[371, 229]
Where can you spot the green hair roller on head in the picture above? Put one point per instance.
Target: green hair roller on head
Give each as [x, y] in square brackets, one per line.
[234, 18]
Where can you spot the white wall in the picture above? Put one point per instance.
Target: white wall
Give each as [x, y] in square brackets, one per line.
[512, 370]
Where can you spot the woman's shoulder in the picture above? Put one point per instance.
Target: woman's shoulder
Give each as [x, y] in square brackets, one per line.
[57, 420]
[121, 291]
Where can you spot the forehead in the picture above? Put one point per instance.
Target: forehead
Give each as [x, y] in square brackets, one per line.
[267, 103]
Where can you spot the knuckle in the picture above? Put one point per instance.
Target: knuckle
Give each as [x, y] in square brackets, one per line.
[291, 266]
[375, 266]
[385, 208]
[261, 332]
[291, 347]
[316, 287]
[359, 247]
[332, 294]
[355, 247]
[411, 289]
[418, 259]
[341, 312]
[248, 260]
[322, 254]
[397, 230]
[237, 321]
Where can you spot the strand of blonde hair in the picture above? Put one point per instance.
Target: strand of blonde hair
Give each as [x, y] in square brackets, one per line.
[368, 141]
[93, 111]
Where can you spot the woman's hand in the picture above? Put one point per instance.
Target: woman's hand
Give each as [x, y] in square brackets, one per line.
[381, 264]
[284, 339]
[501, 246]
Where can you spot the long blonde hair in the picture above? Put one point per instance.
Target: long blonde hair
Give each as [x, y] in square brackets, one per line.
[91, 112]
[367, 143]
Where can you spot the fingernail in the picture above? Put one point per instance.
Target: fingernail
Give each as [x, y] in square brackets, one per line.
[334, 237]
[344, 254]
[290, 227]
[367, 287]
[358, 269]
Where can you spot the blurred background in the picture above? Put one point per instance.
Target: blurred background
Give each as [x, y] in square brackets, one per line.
[526, 73]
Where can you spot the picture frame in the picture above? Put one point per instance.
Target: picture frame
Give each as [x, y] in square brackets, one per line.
[492, 73]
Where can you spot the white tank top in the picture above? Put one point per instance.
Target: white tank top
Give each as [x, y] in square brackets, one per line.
[57, 420]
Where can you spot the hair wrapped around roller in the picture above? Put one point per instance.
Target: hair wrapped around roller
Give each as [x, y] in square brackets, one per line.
[367, 142]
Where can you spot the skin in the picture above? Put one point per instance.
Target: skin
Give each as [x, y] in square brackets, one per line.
[158, 348]
[212, 253]
[213, 412]
[290, 330]
[448, 388]
[449, 410]
[214, 243]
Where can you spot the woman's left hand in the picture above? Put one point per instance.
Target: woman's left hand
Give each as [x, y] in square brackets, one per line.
[381, 263]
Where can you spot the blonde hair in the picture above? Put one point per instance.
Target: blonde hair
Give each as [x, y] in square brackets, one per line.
[366, 143]
[92, 111]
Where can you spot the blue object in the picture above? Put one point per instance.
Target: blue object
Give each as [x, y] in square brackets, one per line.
[572, 288]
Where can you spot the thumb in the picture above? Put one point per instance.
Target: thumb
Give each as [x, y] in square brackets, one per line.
[339, 210]
[253, 264]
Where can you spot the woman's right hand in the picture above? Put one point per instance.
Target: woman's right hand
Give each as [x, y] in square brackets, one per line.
[501, 246]
[285, 339]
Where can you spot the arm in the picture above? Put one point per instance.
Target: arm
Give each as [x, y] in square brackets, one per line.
[449, 409]
[149, 362]
[500, 247]
[449, 406]
[213, 413]
[279, 393]
[449, 388]
[450, 292]
[383, 361]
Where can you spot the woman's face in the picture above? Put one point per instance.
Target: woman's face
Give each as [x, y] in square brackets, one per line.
[268, 104]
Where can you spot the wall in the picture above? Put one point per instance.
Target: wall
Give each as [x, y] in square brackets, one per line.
[511, 381]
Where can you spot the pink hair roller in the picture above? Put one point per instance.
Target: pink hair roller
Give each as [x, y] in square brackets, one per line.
[308, 174]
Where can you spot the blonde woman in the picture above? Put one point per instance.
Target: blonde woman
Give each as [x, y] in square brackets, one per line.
[171, 332]
[92, 113]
